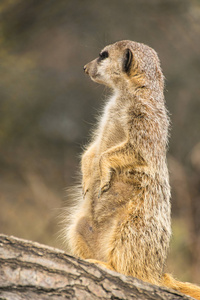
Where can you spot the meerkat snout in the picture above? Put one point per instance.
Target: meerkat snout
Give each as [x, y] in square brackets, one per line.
[85, 69]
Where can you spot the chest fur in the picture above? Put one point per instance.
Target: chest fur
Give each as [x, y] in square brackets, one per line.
[112, 127]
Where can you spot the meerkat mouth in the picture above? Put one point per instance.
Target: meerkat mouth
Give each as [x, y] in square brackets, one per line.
[95, 77]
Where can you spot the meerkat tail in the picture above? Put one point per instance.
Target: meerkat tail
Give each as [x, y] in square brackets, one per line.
[183, 287]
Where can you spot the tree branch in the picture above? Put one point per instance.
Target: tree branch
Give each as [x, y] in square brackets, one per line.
[29, 270]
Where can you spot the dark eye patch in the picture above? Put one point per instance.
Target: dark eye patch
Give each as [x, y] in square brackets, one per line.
[103, 55]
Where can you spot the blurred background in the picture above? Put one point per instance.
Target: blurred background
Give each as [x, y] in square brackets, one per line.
[48, 106]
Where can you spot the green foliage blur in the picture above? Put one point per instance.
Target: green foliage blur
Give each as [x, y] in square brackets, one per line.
[48, 106]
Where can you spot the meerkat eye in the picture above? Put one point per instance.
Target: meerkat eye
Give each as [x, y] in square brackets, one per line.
[103, 55]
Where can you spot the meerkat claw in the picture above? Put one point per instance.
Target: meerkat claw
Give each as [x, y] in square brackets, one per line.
[103, 189]
[84, 192]
[99, 194]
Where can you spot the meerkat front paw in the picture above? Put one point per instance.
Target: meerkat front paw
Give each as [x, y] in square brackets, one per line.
[85, 185]
[106, 173]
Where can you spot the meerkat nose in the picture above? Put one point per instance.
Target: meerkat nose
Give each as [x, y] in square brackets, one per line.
[85, 69]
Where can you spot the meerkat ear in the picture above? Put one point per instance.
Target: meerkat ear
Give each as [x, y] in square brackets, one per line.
[128, 56]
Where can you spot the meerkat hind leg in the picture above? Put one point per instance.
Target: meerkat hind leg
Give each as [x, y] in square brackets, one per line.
[81, 238]
[101, 263]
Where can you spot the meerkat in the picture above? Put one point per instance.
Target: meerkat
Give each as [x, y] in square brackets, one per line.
[122, 216]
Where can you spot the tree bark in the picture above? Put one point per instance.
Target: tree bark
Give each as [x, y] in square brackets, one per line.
[29, 270]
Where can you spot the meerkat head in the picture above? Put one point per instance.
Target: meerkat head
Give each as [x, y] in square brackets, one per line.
[126, 63]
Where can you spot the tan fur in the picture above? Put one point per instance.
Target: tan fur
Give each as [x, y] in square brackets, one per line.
[122, 220]
[183, 287]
